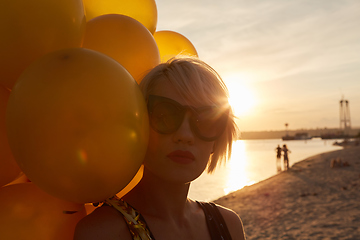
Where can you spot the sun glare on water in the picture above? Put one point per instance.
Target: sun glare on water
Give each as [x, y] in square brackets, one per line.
[237, 177]
[242, 98]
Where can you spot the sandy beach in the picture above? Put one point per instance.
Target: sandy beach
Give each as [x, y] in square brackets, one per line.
[312, 200]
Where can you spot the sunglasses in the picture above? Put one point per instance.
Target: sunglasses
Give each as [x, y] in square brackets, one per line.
[167, 115]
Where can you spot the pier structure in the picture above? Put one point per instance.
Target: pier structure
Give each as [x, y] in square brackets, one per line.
[345, 122]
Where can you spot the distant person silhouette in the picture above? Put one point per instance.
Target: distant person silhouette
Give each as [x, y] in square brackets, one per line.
[286, 157]
[278, 158]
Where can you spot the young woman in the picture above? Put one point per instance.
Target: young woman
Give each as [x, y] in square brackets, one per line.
[192, 129]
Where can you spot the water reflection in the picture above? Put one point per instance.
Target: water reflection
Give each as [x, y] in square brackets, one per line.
[237, 176]
[251, 161]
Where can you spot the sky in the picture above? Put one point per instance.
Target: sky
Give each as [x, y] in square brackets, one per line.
[284, 61]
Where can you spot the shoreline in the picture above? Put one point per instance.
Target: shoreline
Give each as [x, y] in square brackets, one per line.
[312, 200]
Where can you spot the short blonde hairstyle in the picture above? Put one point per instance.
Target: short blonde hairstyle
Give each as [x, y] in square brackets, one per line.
[197, 83]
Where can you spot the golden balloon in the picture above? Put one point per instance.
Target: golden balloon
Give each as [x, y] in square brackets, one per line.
[9, 169]
[28, 213]
[144, 11]
[77, 125]
[171, 44]
[125, 40]
[30, 29]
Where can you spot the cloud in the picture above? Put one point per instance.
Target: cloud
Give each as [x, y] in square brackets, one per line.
[302, 52]
[288, 36]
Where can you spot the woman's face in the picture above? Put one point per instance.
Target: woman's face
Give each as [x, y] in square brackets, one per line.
[179, 156]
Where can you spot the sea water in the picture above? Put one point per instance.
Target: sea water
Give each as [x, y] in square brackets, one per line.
[253, 161]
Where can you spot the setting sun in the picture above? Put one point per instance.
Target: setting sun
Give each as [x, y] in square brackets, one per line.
[242, 98]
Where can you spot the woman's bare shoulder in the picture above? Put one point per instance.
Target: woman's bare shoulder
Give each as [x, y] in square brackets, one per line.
[103, 223]
[233, 223]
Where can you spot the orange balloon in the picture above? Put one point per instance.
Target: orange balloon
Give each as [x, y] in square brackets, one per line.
[21, 179]
[77, 125]
[30, 29]
[133, 182]
[27, 213]
[125, 40]
[9, 169]
[90, 207]
[171, 44]
[144, 11]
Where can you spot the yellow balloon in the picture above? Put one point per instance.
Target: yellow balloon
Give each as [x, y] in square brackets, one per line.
[78, 125]
[144, 11]
[9, 169]
[133, 183]
[171, 44]
[28, 213]
[22, 178]
[30, 29]
[90, 207]
[125, 40]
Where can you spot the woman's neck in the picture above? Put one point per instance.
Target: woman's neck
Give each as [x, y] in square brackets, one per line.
[156, 197]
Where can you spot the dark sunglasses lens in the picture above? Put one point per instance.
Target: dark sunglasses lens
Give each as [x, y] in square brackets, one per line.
[209, 123]
[166, 118]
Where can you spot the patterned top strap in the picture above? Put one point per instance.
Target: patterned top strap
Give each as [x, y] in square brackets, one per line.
[137, 225]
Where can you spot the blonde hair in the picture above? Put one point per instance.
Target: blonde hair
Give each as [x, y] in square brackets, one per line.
[197, 83]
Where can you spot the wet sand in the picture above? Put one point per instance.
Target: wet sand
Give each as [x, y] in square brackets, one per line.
[312, 200]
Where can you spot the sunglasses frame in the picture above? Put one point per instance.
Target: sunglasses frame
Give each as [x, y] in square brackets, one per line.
[153, 100]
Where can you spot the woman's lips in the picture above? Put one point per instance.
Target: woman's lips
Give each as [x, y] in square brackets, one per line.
[182, 157]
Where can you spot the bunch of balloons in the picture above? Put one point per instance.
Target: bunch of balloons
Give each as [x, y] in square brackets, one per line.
[73, 122]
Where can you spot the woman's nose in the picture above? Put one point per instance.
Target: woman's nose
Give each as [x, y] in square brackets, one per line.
[184, 133]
